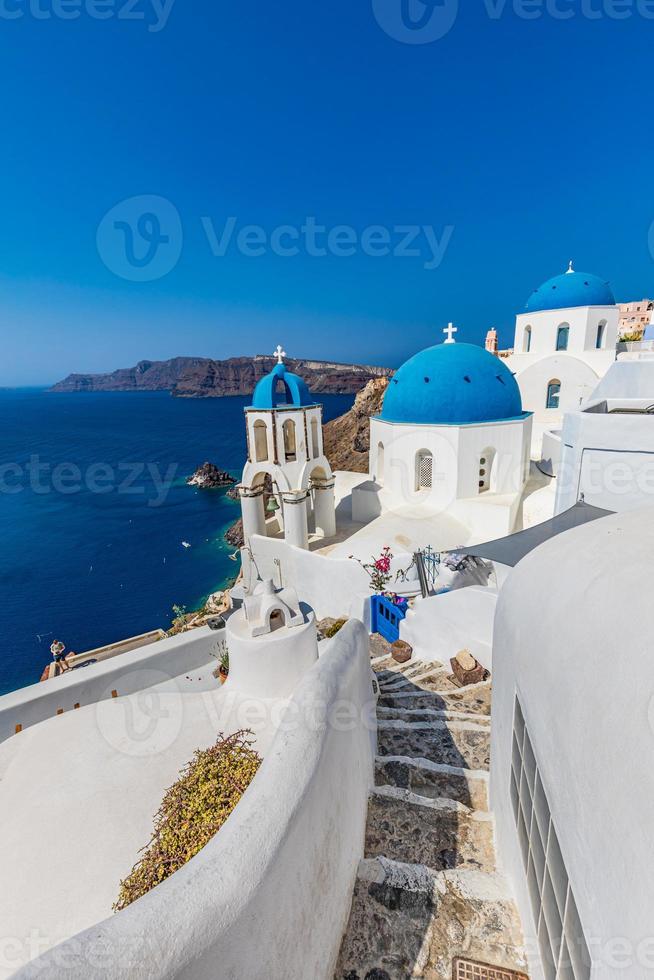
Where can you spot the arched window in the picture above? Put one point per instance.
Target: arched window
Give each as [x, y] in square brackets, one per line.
[260, 441]
[277, 620]
[526, 344]
[562, 337]
[601, 331]
[424, 470]
[315, 441]
[486, 462]
[289, 440]
[380, 464]
[553, 393]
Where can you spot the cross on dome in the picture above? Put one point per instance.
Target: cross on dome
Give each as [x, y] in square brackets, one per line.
[450, 330]
[571, 268]
[280, 354]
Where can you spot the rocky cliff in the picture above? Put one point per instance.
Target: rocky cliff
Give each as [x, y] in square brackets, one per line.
[347, 438]
[202, 377]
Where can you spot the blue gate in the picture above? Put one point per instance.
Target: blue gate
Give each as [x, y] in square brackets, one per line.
[386, 616]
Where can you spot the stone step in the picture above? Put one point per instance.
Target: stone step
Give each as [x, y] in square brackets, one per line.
[407, 921]
[421, 672]
[430, 714]
[391, 669]
[434, 781]
[439, 833]
[455, 743]
[475, 699]
[434, 678]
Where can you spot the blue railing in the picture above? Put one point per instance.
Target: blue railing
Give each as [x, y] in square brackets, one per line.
[386, 616]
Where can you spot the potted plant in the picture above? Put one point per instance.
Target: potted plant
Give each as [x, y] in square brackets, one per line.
[223, 670]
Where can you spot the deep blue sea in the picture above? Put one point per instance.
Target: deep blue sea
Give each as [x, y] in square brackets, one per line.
[93, 511]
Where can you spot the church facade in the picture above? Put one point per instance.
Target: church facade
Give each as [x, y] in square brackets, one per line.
[565, 341]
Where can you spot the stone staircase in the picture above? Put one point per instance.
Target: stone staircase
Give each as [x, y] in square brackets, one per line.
[427, 889]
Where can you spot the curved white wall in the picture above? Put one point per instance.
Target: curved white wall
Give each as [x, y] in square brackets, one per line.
[332, 586]
[270, 895]
[126, 674]
[572, 638]
[577, 379]
[439, 627]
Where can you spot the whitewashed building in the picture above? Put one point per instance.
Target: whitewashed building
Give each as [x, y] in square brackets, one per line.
[565, 341]
[452, 436]
[607, 446]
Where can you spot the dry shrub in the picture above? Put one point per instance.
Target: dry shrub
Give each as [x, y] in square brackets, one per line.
[335, 628]
[192, 811]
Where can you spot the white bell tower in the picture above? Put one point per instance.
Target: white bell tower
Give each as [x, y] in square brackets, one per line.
[284, 437]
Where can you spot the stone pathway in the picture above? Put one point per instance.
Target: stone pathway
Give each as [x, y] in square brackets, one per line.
[427, 889]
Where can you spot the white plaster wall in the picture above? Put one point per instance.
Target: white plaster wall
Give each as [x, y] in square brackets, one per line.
[439, 627]
[332, 586]
[551, 451]
[608, 458]
[583, 322]
[627, 379]
[126, 674]
[271, 665]
[401, 444]
[572, 638]
[511, 443]
[457, 451]
[578, 380]
[270, 895]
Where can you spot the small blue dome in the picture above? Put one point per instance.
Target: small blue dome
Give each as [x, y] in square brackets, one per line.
[281, 388]
[569, 290]
[452, 384]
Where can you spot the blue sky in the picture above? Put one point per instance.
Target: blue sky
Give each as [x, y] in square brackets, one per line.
[519, 143]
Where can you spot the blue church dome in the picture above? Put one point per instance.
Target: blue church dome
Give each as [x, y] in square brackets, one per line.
[452, 384]
[569, 290]
[281, 388]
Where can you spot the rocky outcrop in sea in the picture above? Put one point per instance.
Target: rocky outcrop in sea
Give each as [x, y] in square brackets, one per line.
[209, 476]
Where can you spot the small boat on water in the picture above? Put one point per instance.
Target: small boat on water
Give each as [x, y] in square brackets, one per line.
[185, 544]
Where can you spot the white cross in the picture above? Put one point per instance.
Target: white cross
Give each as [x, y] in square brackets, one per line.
[450, 331]
[280, 354]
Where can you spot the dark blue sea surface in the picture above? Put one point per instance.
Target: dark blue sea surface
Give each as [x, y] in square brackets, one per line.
[94, 509]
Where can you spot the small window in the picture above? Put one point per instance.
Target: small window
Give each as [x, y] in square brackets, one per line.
[289, 440]
[526, 346]
[562, 337]
[485, 470]
[601, 331]
[553, 394]
[260, 441]
[424, 470]
[315, 441]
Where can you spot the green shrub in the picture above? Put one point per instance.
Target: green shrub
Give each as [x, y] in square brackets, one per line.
[192, 811]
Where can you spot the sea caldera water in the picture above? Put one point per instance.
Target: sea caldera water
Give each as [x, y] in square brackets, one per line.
[94, 508]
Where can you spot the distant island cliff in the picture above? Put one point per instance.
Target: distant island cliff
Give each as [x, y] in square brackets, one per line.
[203, 377]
